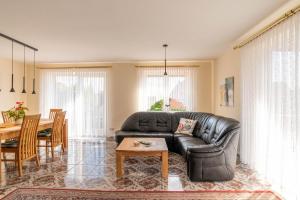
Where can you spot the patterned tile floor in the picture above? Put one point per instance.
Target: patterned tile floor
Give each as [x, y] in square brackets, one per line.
[91, 165]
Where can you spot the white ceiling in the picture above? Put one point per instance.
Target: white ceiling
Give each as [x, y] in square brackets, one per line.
[126, 30]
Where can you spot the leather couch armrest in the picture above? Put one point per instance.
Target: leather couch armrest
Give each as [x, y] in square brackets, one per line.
[205, 149]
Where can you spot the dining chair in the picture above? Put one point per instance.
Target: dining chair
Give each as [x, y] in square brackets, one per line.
[53, 112]
[53, 138]
[6, 118]
[25, 147]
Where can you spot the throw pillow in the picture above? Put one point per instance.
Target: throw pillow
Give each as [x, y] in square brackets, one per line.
[186, 126]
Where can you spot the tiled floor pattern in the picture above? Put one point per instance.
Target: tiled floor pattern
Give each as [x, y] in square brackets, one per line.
[91, 165]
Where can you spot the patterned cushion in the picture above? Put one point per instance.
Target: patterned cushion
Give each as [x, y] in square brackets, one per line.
[186, 126]
[10, 144]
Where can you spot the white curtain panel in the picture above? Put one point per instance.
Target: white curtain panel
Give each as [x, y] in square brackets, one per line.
[270, 76]
[180, 85]
[80, 92]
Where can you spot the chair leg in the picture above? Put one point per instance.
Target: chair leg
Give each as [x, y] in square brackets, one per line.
[37, 161]
[16, 160]
[20, 165]
[4, 156]
[62, 147]
[46, 147]
[38, 145]
[52, 152]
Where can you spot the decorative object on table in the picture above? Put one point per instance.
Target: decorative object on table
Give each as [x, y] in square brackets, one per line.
[136, 143]
[146, 143]
[227, 92]
[186, 126]
[18, 112]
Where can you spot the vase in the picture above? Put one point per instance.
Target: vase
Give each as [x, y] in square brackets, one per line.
[19, 121]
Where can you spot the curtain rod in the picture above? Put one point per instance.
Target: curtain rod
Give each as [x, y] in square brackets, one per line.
[153, 66]
[17, 41]
[276, 22]
[92, 67]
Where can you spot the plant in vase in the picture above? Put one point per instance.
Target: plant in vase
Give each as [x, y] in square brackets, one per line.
[18, 112]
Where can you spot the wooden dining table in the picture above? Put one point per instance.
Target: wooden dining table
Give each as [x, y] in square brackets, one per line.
[14, 132]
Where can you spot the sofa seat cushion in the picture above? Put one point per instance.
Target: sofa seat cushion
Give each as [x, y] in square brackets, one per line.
[120, 135]
[185, 142]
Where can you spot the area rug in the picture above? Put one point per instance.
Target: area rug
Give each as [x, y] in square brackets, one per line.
[72, 194]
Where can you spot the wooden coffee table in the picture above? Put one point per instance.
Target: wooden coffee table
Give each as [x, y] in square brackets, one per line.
[128, 149]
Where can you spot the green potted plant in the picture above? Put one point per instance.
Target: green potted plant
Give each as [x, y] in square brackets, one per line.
[18, 112]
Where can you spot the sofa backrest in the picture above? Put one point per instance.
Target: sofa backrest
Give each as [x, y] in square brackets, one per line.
[223, 126]
[210, 128]
[148, 122]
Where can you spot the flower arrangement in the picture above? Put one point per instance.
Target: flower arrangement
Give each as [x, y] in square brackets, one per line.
[17, 112]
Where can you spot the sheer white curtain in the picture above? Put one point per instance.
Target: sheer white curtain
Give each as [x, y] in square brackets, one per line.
[270, 138]
[177, 90]
[82, 93]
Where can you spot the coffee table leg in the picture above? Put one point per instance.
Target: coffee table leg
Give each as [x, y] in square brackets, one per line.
[165, 164]
[119, 164]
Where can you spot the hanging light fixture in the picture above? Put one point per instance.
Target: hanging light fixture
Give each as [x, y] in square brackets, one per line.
[12, 67]
[24, 91]
[33, 81]
[165, 46]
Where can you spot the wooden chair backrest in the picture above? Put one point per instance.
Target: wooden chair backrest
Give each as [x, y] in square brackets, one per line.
[56, 136]
[53, 112]
[6, 118]
[28, 137]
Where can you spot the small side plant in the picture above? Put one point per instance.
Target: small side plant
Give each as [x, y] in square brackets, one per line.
[157, 106]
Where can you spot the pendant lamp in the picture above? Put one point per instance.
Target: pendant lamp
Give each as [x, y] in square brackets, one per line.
[24, 91]
[33, 81]
[165, 46]
[12, 67]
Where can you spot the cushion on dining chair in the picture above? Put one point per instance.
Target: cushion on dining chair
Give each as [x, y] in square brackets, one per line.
[45, 133]
[10, 144]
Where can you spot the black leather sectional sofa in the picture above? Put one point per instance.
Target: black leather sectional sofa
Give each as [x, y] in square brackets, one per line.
[210, 152]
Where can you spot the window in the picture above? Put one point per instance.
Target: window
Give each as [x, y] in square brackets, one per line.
[175, 92]
[82, 93]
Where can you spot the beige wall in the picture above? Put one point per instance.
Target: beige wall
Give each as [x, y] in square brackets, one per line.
[124, 96]
[123, 89]
[8, 99]
[228, 65]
